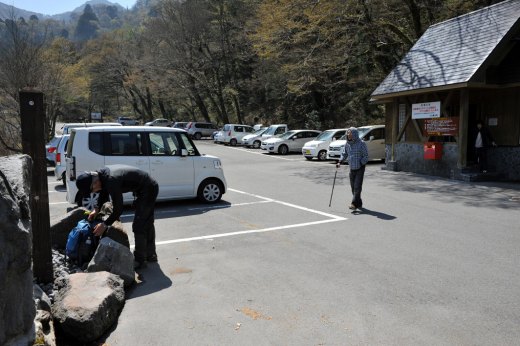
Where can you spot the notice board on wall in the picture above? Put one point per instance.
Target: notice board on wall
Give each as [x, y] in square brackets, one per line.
[441, 127]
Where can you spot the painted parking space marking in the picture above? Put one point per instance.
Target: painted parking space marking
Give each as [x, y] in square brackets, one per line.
[266, 154]
[261, 200]
[329, 218]
[263, 230]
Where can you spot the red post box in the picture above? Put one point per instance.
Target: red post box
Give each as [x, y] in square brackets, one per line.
[432, 151]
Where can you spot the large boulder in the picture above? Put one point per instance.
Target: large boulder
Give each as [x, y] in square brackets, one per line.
[16, 277]
[118, 233]
[63, 224]
[88, 304]
[114, 258]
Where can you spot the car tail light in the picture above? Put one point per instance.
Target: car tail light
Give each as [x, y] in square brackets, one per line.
[51, 149]
[58, 157]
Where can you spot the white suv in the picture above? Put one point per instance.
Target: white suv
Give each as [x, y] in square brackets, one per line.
[197, 130]
[167, 154]
[373, 136]
[317, 148]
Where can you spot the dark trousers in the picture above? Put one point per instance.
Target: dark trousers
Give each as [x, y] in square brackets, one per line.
[481, 158]
[356, 184]
[143, 225]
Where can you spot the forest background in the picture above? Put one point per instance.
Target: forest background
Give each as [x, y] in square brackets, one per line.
[307, 63]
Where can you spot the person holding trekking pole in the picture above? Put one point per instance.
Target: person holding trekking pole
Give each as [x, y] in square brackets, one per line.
[355, 153]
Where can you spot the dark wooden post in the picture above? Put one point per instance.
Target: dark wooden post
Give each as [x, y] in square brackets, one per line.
[33, 144]
[463, 128]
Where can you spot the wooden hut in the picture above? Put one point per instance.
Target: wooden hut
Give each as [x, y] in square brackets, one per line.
[461, 71]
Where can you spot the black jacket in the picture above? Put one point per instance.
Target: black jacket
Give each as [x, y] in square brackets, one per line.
[119, 179]
[487, 138]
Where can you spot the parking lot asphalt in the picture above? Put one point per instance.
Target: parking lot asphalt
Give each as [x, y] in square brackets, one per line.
[429, 261]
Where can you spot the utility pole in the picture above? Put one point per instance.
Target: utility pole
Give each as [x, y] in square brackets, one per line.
[32, 113]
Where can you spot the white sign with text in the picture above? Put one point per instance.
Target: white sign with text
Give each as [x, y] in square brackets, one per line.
[426, 110]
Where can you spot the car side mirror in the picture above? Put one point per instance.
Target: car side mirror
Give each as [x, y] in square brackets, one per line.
[184, 152]
[371, 138]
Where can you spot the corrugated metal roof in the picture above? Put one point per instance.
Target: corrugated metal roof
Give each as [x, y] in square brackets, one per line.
[452, 51]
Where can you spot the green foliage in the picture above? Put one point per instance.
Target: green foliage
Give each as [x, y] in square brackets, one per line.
[307, 63]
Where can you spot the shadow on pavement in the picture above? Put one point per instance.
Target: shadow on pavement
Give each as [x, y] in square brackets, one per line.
[377, 214]
[491, 195]
[149, 280]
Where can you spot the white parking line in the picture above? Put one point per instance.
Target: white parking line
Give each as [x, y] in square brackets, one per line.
[331, 218]
[266, 154]
[221, 235]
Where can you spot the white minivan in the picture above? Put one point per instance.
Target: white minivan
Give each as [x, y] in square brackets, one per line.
[167, 154]
[317, 148]
[232, 134]
[372, 135]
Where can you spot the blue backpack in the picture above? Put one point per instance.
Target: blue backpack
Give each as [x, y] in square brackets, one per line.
[81, 242]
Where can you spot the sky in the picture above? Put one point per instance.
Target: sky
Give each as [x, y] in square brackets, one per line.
[51, 7]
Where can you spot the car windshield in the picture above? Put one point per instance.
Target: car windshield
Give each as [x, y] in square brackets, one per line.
[363, 131]
[287, 134]
[260, 131]
[325, 135]
[271, 130]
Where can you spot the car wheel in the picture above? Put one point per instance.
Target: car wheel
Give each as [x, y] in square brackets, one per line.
[283, 150]
[64, 179]
[256, 144]
[198, 136]
[89, 202]
[233, 142]
[210, 191]
[322, 155]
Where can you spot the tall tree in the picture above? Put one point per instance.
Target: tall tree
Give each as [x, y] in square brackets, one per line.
[21, 65]
[88, 24]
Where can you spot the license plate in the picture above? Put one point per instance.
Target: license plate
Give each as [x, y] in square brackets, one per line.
[308, 152]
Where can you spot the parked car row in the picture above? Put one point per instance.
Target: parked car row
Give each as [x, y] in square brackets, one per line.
[313, 144]
[195, 129]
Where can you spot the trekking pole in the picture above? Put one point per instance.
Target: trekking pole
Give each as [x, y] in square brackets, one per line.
[333, 183]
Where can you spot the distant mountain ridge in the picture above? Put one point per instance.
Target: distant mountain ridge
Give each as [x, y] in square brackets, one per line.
[9, 11]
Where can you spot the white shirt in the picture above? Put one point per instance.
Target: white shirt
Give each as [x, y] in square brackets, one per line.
[478, 141]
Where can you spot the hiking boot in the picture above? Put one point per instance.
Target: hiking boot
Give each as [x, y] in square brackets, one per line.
[352, 207]
[152, 258]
